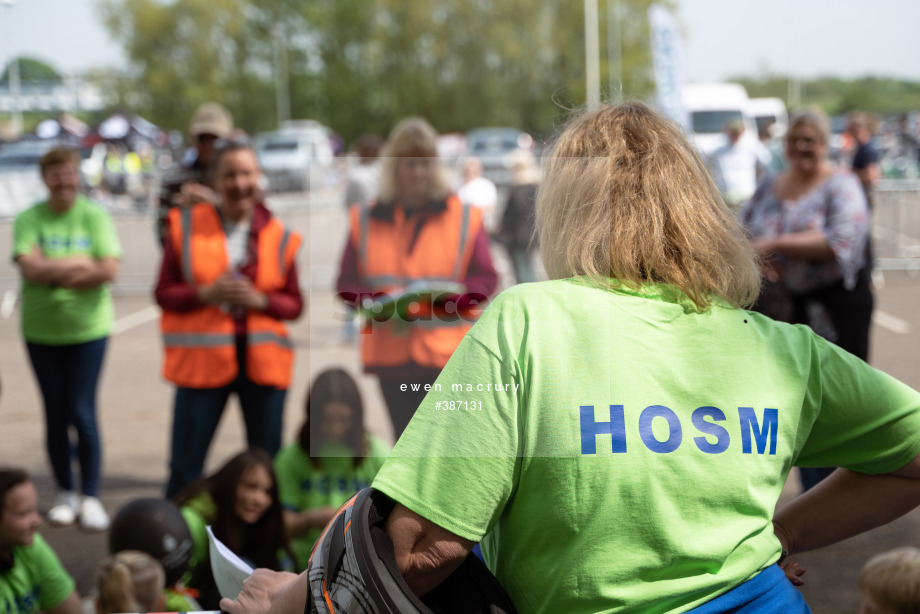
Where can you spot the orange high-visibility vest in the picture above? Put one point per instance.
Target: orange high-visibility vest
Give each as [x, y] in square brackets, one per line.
[441, 253]
[200, 345]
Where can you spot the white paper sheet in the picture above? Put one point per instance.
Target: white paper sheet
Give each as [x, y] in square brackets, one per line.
[229, 570]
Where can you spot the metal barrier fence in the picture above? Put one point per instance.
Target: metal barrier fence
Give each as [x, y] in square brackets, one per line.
[896, 225]
[322, 222]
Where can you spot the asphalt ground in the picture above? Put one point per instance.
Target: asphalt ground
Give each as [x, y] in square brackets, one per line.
[135, 402]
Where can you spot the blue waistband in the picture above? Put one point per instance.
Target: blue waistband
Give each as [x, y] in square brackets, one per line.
[769, 592]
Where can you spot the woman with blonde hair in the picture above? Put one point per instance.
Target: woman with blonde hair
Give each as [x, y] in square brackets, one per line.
[130, 581]
[417, 262]
[811, 225]
[637, 424]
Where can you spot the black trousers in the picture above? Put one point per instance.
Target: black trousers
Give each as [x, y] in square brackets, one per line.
[403, 403]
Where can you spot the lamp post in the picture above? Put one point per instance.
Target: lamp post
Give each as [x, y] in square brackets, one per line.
[15, 111]
[592, 55]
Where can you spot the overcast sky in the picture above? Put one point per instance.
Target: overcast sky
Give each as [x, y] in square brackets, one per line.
[846, 38]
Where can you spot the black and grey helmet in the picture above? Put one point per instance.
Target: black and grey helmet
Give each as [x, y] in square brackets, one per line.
[352, 570]
[154, 526]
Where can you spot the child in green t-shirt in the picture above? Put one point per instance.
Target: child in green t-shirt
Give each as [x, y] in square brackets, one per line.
[240, 503]
[31, 576]
[332, 459]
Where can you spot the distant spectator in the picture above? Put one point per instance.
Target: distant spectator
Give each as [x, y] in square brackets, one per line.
[187, 183]
[516, 231]
[478, 191]
[810, 225]
[228, 274]
[68, 254]
[889, 583]
[31, 576]
[865, 162]
[414, 233]
[130, 581]
[364, 179]
[737, 163]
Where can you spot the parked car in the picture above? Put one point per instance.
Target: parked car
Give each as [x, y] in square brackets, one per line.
[494, 147]
[293, 157]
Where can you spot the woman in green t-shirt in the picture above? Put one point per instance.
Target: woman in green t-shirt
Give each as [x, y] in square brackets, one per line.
[68, 253]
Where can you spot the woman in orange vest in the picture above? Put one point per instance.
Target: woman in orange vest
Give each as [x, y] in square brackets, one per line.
[227, 281]
[416, 264]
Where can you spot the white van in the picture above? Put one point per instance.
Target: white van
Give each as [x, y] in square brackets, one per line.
[710, 106]
[770, 110]
[295, 157]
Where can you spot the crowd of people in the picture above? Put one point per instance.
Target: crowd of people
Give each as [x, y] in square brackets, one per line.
[667, 312]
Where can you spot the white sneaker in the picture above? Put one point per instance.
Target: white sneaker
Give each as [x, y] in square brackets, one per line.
[93, 516]
[64, 510]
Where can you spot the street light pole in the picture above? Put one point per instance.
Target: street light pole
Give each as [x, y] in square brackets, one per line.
[15, 111]
[592, 55]
[282, 86]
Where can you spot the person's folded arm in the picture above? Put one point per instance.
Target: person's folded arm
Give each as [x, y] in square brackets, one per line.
[426, 554]
[846, 504]
[36, 268]
[805, 244]
[101, 271]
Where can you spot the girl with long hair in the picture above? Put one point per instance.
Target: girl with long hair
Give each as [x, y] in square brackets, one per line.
[333, 458]
[240, 503]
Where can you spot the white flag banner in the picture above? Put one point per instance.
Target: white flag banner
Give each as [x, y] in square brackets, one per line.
[668, 62]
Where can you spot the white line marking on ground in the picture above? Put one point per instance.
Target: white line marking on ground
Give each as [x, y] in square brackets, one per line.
[135, 319]
[892, 323]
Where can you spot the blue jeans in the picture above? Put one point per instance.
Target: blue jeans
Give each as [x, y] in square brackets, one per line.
[67, 376]
[197, 412]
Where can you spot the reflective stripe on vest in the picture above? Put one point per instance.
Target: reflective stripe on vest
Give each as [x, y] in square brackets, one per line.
[441, 253]
[200, 345]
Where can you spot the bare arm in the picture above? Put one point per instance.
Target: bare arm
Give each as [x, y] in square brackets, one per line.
[98, 272]
[846, 504]
[806, 244]
[71, 605]
[426, 554]
[38, 269]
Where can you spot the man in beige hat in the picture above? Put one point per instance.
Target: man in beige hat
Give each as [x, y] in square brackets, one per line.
[187, 182]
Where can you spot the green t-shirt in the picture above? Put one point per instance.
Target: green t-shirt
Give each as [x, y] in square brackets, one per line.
[302, 487]
[62, 316]
[635, 452]
[37, 581]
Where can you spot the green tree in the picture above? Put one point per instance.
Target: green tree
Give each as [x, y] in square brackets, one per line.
[361, 65]
[32, 70]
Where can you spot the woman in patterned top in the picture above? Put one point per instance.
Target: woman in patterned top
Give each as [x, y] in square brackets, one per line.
[810, 225]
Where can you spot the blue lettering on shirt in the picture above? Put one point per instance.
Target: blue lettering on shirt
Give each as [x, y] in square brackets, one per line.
[708, 428]
[749, 423]
[590, 429]
[648, 437]
[704, 420]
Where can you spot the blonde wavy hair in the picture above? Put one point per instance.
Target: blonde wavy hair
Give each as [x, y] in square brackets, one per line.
[130, 581]
[626, 199]
[413, 137]
[892, 579]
